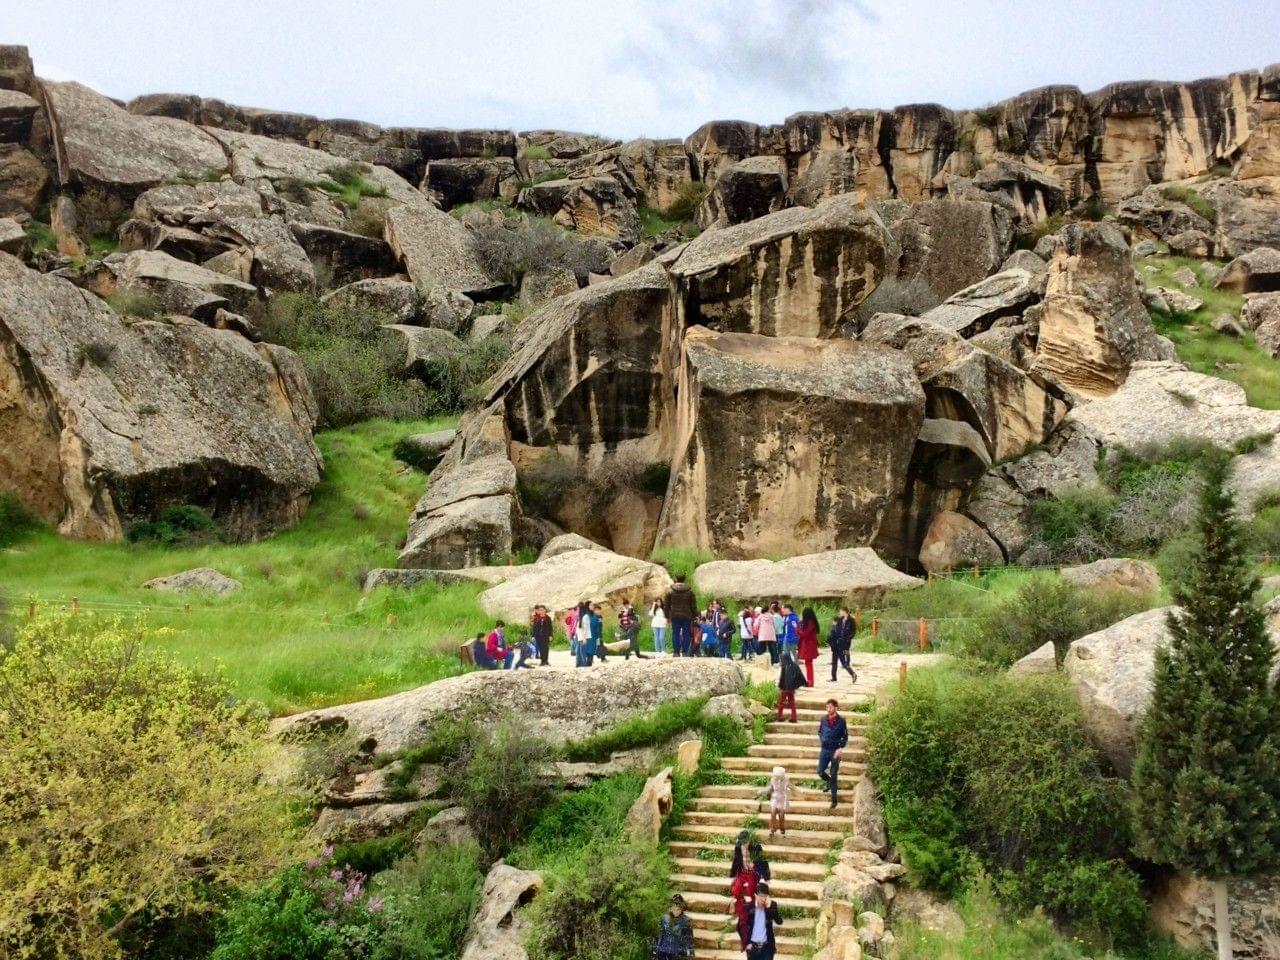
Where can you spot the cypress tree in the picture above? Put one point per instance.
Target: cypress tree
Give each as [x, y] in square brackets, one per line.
[1207, 773]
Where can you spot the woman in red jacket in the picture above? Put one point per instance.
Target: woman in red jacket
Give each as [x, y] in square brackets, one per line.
[743, 893]
[807, 648]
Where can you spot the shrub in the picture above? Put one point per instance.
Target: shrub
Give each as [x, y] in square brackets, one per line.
[312, 911]
[369, 220]
[689, 197]
[1191, 197]
[508, 247]
[459, 379]
[910, 298]
[643, 730]
[1047, 609]
[354, 370]
[135, 304]
[603, 907]
[998, 769]
[40, 237]
[133, 789]
[182, 525]
[17, 520]
[1027, 238]
[348, 182]
[430, 898]
[536, 151]
[574, 820]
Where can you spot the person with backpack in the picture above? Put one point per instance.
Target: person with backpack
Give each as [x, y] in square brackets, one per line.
[840, 640]
[807, 642]
[790, 679]
[540, 630]
[682, 609]
[790, 632]
[708, 645]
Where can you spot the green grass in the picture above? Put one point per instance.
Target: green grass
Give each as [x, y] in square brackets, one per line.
[536, 152]
[272, 638]
[349, 183]
[1191, 197]
[1201, 347]
[654, 222]
[681, 561]
[40, 237]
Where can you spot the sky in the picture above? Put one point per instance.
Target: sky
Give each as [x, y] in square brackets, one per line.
[627, 68]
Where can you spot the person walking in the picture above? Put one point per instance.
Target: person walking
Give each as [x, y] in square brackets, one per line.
[840, 640]
[629, 626]
[790, 679]
[658, 621]
[708, 644]
[540, 629]
[495, 646]
[765, 629]
[779, 794]
[833, 737]
[675, 933]
[743, 894]
[762, 945]
[582, 632]
[759, 863]
[595, 643]
[682, 609]
[807, 641]
[741, 854]
[746, 633]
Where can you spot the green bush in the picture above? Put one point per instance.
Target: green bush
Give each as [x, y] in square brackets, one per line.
[135, 304]
[430, 898]
[312, 911]
[348, 182]
[998, 769]
[40, 237]
[571, 822]
[1046, 609]
[605, 906]
[536, 151]
[1191, 197]
[16, 519]
[643, 730]
[1076, 525]
[182, 525]
[458, 379]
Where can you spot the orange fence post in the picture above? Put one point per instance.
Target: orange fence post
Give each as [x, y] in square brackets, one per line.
[75, 605]
[31, 610]
[924, 635]
[976, 572]
[875, 627]
[902, 677]
[950, 570]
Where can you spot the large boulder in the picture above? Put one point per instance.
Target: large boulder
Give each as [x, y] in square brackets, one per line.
[1179, 404]
[499, 927]
[1183, 907]
[1093, 325]
[196, 580]
[798, 272]
[856, 575]
[457, 180]
[593, 206]
[750, 188]
[1261, 314]
[16, 112]
[1257, 271]
[179, 287]
[565, 579]
[948, 245]
[644, 819]
[436, 250]
[1120, 573]
[953, 540]
[787, 445]
[102, 144]
[392, 297]
[22, 180]
[976, 308]
[278, 260]
[106, 424]
[559, 705]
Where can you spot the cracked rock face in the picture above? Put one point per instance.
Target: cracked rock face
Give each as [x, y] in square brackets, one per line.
[106, 424]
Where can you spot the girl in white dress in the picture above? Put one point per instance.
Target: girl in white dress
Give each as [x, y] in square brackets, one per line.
[659, 623]
[779, 794]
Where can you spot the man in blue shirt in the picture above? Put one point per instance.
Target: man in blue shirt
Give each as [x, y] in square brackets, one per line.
[790, 629]
[833, 737]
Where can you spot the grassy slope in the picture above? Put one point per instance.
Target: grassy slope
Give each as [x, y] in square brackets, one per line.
[1201, 347]
[271, 637]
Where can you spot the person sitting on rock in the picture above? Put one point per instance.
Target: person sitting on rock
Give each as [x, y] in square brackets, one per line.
[761, 944]
[790, 679]
[743, 894]
[496, 646]
[480, 654]
[675, 933]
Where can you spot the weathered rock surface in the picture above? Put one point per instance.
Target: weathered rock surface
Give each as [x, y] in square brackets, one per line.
[447, 828]
[436, 250]
[565, 579]
[948, 245]
[1122, 573]
[566, 543]
[350, 824]
[106, 423]
[22, 180]
[644, 819]
[1183, 907]
[809, 440]
[1041, 661]
[953, 540]
[429, 449]
[179, 287]
[197, 580]
[750, 188]
[856, 575]
[559, 705]
[499, 928]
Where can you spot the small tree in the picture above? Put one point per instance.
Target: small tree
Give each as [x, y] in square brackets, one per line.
[1207, 773]
[131, 791]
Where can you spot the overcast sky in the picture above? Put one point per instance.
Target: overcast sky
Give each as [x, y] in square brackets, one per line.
[627, 67]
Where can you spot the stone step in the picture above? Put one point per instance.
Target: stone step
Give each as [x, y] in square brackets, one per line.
[854, 752]
[746, 806]
[795, 820]
[798, 767]
[779, 870]
[709, 833]
[776, 853]
[718, 903]
[748, 791]
[712, 938]
[786, 733]
[720, 886]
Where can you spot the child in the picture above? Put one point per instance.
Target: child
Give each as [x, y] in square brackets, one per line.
[708, 632]
[779, 794]
[675, 933]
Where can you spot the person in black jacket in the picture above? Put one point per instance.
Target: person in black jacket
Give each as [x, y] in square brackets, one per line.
[682, 610]
[840, 640]
[761, 942]
[790, 679]
[540, 629]
[761, 865]
[741, 854]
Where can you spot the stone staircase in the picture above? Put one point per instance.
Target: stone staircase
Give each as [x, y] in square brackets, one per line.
[702, 845]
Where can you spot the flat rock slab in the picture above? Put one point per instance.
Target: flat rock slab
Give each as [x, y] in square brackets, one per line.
[564, 580]
[198, 580]
[857, 575]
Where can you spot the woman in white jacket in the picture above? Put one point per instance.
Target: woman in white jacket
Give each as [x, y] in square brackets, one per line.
[658, 620]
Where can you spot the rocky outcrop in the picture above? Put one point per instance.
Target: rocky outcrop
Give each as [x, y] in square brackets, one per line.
[644, 819]
[1130, 576]
[856, 575]
[747, 190]
[559, 705]
[1183, 907]
[566, 579]
[178, 287]
[499, 927]
[953, 540]
[197, 580]
[106, 424]
[947, 244]
[787, 445]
